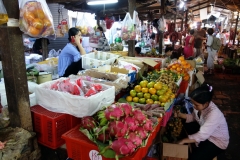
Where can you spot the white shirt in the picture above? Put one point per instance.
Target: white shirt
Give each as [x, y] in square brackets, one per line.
[222, 37]
[213, 126]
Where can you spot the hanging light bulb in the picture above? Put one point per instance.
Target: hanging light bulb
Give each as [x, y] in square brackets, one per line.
[97, 2]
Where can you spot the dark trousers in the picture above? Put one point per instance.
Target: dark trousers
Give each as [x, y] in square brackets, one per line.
[206, 150]
[73, 68]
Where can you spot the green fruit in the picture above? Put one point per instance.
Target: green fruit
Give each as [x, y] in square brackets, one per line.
[140, 95]
[142, 100]
[154, 97]
[133, 93]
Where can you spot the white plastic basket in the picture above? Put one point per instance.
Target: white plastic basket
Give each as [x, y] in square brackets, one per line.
[94, 60]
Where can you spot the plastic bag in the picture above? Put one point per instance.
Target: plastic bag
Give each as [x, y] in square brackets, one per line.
[64, 26]
[136, 20]
[103, 25]
[128, 29]
[109, 22]
[59, 32]
[161, 24]
[3, 14]
[83, 25]
[36, 19]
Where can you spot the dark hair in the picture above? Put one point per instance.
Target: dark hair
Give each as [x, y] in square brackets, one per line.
[72, 32]
[202, 94]
[138, 50]
[168, 48]
[152, 36]
[101, 29]
[191, 31]
[210, 31]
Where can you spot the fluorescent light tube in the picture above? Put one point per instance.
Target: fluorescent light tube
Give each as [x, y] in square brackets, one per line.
[96, 2]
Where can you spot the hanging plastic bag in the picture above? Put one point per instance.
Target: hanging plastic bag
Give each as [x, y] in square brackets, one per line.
[83, 25]
[64, 26]
[3, 14]
[128, 29]
[136, 20]
[36, 19]
[161, 24]
[103, 25]
[59, 33]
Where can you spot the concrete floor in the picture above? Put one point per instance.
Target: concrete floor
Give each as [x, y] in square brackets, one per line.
[227, 97]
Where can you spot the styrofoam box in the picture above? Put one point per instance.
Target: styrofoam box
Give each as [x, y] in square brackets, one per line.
[94, 60]
[78, 106]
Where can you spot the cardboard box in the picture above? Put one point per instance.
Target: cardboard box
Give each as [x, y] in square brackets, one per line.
[200, 68]
[174, 151]
[192, 63]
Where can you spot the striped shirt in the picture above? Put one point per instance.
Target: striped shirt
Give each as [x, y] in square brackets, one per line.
[213, 126]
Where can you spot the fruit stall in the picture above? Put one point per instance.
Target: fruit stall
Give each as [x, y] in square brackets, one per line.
[115, 111]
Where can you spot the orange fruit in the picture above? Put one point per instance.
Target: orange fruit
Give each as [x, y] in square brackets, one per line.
[149, 101]
[29, 17]
[39, 14]
[135, 99]
[158, 86]
[184, 62]
[174, 67]
[129, 98]
[179, 69]
[152, 91]
[46, 22]
[33, 31]
[145, 90]
[138, 88]
[37, 23]
[181, 58]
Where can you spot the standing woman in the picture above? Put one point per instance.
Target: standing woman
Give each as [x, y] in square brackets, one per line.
[189, 45]
[211, 52]
[102, 42]
[69, 61]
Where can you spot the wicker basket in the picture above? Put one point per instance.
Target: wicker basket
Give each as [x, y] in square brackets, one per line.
[122, 53]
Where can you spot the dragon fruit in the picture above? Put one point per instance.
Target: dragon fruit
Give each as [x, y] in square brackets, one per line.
[88, 123]
[127, 108]
[117, 129]
[136, 140]
[54, 86]
[112, 112]
[122, 146]
[141, 132]
[148, 126]
[131, 123]
[138, 115]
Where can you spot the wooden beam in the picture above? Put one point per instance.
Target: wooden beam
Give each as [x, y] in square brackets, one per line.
[199, 4]
[131, 43]
[14, 67]
[186, 18]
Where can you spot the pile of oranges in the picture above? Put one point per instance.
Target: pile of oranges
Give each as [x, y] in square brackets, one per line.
[181, 67]
[35, 21]
[150, 92]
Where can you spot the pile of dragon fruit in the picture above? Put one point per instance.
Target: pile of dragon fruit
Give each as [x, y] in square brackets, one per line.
[76, 87]
[125, 129]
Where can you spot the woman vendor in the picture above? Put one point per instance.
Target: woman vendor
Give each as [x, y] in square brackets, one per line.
[206, 126]
[69, 61]
[102, 42]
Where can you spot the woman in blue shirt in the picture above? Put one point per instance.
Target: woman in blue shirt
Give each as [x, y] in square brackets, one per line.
[69, 61]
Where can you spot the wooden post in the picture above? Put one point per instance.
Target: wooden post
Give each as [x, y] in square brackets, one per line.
[14, 67]
[44, 48]
[131, 43]
[175, 16]
[236, 28]
[186, 18]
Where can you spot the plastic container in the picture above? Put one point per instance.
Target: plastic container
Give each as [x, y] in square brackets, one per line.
[79, 147]
[94, 60]
[50, 126]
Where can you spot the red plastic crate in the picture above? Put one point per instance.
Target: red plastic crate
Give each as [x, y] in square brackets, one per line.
[50, 126]
[183, 86]
[166, 117]
[79, 147]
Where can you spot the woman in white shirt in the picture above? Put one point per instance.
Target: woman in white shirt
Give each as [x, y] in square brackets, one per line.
[211, 52]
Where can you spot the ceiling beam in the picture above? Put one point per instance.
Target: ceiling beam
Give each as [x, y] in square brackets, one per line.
[199, 4]
[147, 5]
